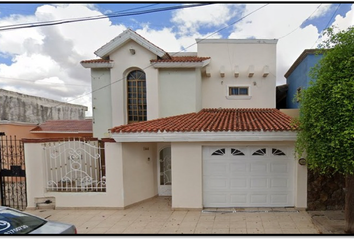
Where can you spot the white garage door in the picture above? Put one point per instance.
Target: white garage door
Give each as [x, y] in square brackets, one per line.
[248, 177]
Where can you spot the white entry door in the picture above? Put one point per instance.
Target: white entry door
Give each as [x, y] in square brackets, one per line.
[164, 170]
[248, 177]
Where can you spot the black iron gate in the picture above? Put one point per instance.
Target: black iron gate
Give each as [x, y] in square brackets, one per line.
[12, 173]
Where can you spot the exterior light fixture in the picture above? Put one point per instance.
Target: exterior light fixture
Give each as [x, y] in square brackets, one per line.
[132, 51]
[302, 161]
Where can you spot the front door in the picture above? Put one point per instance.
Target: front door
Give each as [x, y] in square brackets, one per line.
[164, 169]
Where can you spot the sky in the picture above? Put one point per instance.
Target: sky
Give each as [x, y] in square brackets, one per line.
[44, 61]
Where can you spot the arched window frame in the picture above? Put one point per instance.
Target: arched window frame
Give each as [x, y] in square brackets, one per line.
[136, 96]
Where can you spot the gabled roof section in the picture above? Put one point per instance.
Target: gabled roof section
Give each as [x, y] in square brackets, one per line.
[215, 120]
[302, 56]
[125, 36]
[64, 126]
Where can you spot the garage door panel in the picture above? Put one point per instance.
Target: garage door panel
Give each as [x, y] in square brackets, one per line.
[258, 168]
[216, 169]
[279, 198]
[238, 183]
[216, 184]
[279, 167]
[261, 199]
[279, 183]
[239, 167]
[238, 199]
[258, 183]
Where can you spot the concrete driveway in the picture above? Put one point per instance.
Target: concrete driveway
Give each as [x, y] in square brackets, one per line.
[156, 217]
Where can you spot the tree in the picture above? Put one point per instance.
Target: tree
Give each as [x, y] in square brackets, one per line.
[326, 121]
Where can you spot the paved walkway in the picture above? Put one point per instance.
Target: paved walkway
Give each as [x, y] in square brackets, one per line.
[156, 217]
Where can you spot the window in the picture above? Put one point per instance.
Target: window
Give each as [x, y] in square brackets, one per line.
[277, 152]
[236, 152]
[260, 152]
[219, 152]
[238, 91]
[136, 94]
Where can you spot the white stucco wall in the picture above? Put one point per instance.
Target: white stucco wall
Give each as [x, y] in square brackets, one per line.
[124, 62]
[187, 176]
[139, 172]
[101, 102]
[179, 91]
[226, 54]
[36, 181]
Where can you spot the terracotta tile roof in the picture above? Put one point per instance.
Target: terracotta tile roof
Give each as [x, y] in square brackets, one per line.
[215, 120]
[65, 126]
[97, 61]
[182, 59]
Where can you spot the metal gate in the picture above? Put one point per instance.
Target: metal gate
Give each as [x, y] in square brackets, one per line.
[12, 173]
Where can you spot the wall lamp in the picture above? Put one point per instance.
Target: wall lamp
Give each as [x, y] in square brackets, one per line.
[132, 51]
[302, 161]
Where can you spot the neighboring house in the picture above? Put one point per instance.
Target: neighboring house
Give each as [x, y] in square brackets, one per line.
[63, 129]
[324, 192]
[20, 113]
[201, 127]
[298, 78]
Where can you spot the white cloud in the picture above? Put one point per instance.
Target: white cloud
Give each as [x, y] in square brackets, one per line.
[52, 54]
[282, 21]
[190, 20]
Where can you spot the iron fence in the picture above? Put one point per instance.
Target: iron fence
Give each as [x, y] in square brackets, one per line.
[12, 173]
[75, 166]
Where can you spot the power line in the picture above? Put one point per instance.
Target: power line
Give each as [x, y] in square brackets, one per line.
[301, 23]
[329, 21]
[120, 14]
[150, 65]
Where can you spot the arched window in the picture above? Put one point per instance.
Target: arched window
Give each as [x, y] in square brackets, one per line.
[136, 94]
[236, 152]
[219, 152]
[260, 152]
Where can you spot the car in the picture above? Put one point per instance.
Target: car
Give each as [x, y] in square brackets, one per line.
[13, 221]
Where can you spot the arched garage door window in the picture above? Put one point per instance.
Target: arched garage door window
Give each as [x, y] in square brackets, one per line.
[136, 93]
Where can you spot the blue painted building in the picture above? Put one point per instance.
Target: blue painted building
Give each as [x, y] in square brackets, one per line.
[297, 77]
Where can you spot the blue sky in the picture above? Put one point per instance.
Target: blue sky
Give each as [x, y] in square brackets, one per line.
[45, 61]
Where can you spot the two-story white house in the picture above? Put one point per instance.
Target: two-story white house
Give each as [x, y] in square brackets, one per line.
[201, 127]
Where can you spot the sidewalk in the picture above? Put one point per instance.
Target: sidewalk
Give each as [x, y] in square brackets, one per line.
[156, 217]
[329, 221]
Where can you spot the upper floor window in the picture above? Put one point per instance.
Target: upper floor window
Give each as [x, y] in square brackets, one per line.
[238, 91]
[136, 96]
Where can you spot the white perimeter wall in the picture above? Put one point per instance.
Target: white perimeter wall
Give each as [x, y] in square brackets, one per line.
[36, 181]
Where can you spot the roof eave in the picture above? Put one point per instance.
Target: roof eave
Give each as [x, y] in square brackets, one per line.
[62, 132]
[181, 64]
[97, 65]
[205, 136]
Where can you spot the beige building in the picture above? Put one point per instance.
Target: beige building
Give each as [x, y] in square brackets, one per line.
[201, 127]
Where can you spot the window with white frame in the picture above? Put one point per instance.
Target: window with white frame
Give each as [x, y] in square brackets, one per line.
[238, 92]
